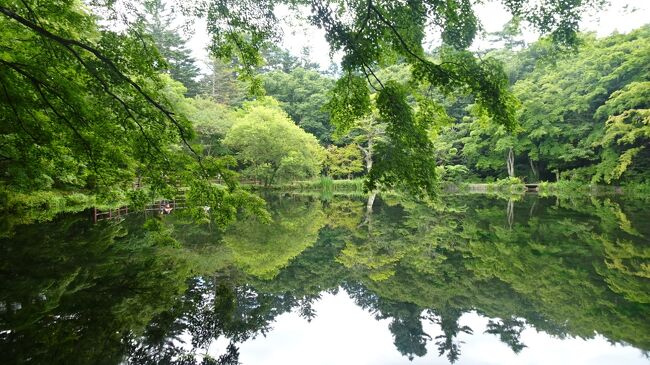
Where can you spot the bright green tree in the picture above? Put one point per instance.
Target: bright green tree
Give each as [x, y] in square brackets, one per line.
[627, 132]
[374, 33]
[69, 71]
[560, 102]
[343, 162]
[211, 122]
[86, 107]
[270, 147]
[83, 108]
[263, 249]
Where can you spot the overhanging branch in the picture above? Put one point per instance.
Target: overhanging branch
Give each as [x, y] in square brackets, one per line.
[68, 43]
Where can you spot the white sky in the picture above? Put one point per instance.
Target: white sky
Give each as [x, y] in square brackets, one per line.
[343, 333]
[621, 16]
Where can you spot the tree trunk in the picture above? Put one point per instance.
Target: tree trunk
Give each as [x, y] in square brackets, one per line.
[510, 162]
[371, 201]
[532, 167]
[214, 81]
[368, 216]
[510, 211]
[368, 156]
[532, 209]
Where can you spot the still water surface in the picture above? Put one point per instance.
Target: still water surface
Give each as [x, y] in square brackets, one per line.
[467, 280]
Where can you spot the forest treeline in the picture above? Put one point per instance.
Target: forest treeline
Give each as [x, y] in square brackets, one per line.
[88, 108]
[583, 116]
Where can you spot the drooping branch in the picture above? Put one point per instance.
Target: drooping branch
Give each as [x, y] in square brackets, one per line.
[17, 114]
[366, 69]
[68, 43]
[395, 32]
[367, 72]
[123, 103]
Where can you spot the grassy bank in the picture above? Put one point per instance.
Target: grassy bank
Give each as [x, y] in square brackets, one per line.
[567, 188]
[561, 188]
[508, 186]
[324, 185]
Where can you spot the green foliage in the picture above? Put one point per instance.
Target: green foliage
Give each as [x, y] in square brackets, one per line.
[485, 146]
[254, 244]
[566, 267]
[222, 204]
[64, 122]
[211, 122]
[302, 94]
[627, 131]
[279, 59]
[270, 147]
[582, 115]
[324, 187]
[26, 208]
[343, 162]
[408, 160]
[639, 190]
[138, 199]
[564, 105]
[222, 85]
[509, 181]
[626, 270]
[452, 173]
[326, 184]
[87, 108]
[349, 101]
[76, 302]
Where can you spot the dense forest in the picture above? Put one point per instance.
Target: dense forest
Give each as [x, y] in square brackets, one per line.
[293, 179]
[97, 100]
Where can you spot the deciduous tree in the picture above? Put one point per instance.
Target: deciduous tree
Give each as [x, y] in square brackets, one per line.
[270, 147]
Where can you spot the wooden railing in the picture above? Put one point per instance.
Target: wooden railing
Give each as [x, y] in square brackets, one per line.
[219, 180]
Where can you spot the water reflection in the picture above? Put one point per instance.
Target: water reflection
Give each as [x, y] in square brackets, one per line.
[167, 291]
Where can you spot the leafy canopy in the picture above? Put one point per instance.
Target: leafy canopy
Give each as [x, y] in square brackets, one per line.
[88, 107]
[270, 147]
[85, 106]
[375, 33]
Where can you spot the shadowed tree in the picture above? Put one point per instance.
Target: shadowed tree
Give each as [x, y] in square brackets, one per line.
[509, 332]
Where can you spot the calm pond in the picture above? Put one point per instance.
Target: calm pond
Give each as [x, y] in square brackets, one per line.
[468, 280]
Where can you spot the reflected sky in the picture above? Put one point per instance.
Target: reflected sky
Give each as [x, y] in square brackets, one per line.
[365, 340]
[400, 283]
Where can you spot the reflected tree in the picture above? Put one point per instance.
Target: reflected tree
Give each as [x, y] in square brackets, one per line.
[571, 269]
[509, 332]
[94, 284]
[448, 320]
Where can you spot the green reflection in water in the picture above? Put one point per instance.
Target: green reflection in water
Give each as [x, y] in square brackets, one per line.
[73, 292]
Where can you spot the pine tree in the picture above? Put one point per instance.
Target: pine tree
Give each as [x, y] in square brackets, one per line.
[171, 45]
[222, 84]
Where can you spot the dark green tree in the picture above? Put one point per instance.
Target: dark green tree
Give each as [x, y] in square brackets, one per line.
[180, 65]
[302, 94]
[222, 84]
